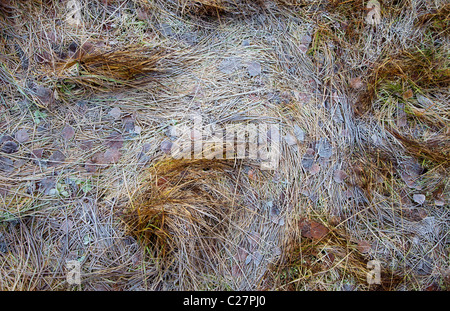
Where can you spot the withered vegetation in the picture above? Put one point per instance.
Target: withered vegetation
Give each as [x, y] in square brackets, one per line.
[90, 94]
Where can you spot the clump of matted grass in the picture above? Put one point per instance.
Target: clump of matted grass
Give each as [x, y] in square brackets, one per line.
[105, 70]
[70, 61]
[199, 219]
[408, 92]
[181, 194]
[420, 69]
[332, 261]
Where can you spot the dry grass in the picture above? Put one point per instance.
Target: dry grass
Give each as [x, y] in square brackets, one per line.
[421, 70]
[335, 263]
[219, 7]
[363, 112]
[190, 213]
[131, 66]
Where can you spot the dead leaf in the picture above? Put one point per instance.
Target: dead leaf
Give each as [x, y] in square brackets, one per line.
[142, 15]
[51, 36]
[9, 147]
[230, 65]
[419, 198]
[128, 125]
[305, 39]
[336, 220]
[56, 158]
[325, 150]
[410, 178]
[73, 47]
[302, 97]
[254, 69]
[408, 94]
[137, 258]
[99, 158]
[86, 145]
[275, 215]
[315, 168]
[161, 181]
[43, 57]
[5, 138]
[86, 48]
[90, 167]
[45, 185]
[348, 194]
[312, 229]
[308, 158]
[146, 147]
[45, 96]
[143, 157]
[115, 140]
[22, 136]
[37, 153]
[419, 214]
[299, 133]
[356, 83]
[6, 164]
[112, 155]
[303, 48]
[67, 133]
[166, 146]
[276, 251]
[339, 176]
[278, 220]
[116, 112]
[97, 161]
[19, 163]
[310, 151]
[329, 259]
[364, 247]
[434, 287]
[137, 129]
[167, 30]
